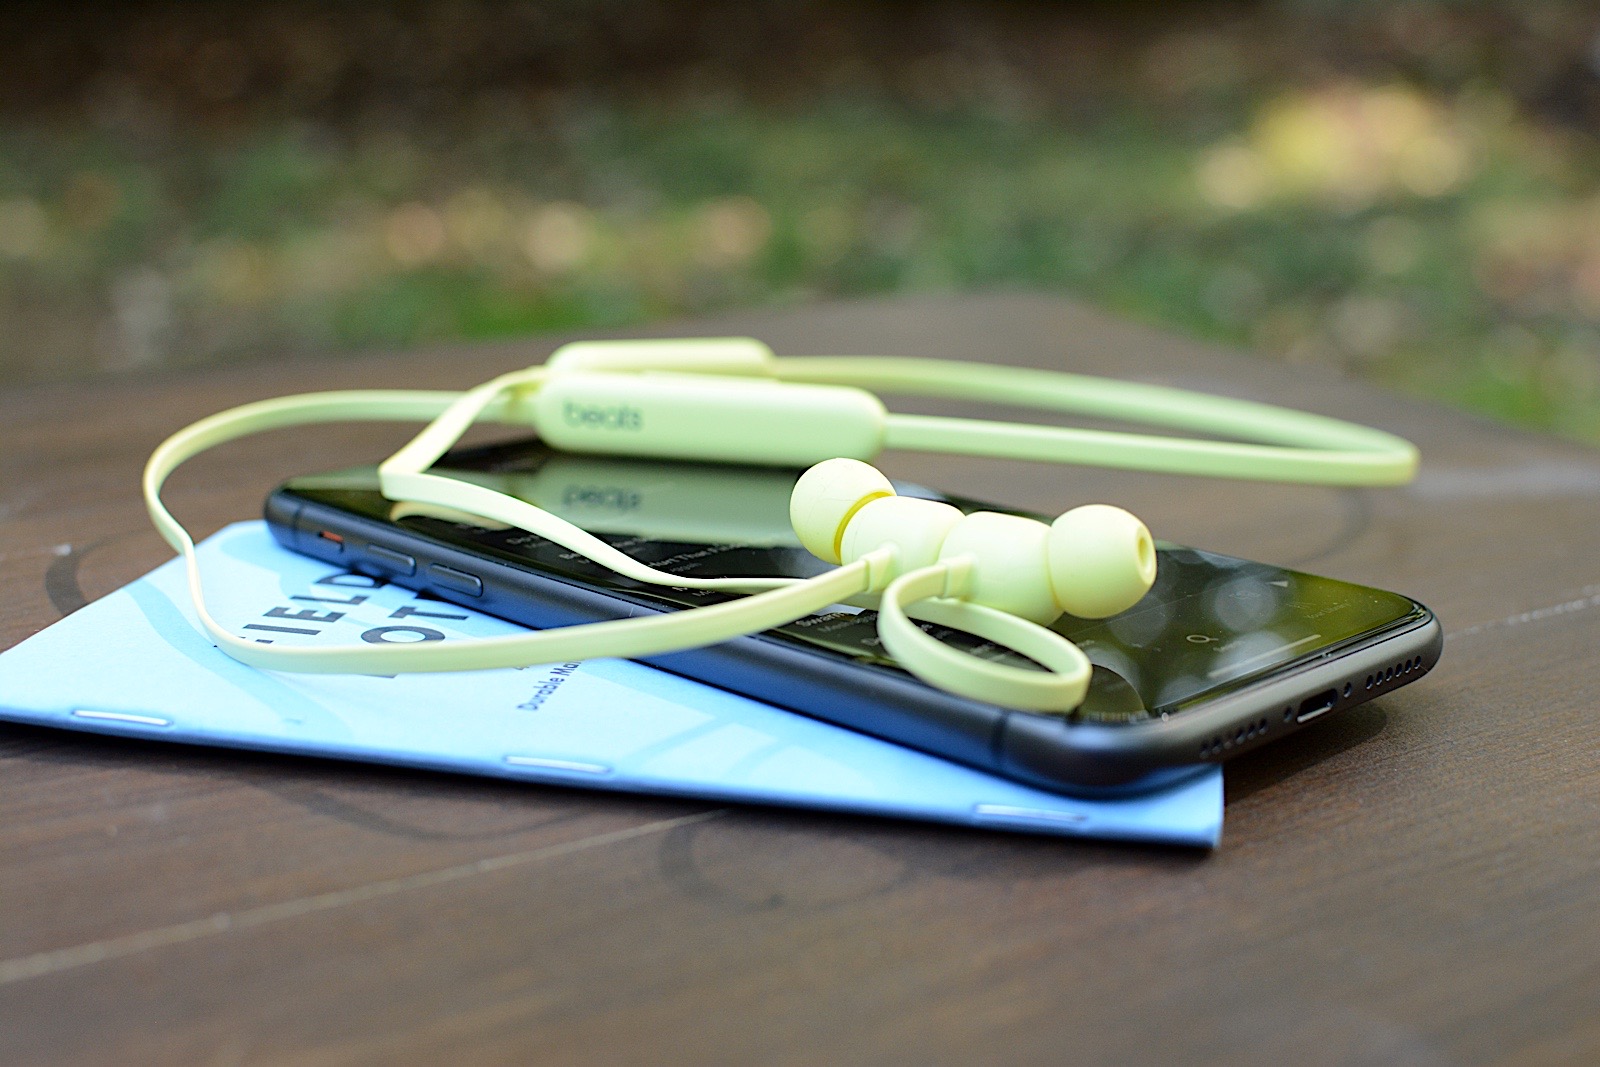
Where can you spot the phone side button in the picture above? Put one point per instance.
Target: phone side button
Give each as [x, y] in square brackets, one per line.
[458, 581]
[398, 562]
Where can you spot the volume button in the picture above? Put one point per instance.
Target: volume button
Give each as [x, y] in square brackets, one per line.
[459, 581]
[396, 561]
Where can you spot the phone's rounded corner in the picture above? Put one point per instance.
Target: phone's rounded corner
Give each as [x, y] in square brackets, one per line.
[1433, 630]
[1088, 758]
[1424, 637]
[281, 511]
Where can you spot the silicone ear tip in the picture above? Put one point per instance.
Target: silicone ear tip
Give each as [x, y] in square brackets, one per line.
[825, 498]
[1102, 561]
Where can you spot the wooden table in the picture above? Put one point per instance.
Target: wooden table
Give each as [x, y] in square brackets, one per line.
[1417, 881]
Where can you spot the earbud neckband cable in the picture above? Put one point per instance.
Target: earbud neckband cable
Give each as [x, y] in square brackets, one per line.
[1281, 445]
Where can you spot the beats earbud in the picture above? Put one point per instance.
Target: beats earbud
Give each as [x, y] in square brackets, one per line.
[999, 577]
[1092, 562]
[827, 497]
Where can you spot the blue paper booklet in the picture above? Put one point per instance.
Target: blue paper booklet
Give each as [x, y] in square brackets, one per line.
[133, 663]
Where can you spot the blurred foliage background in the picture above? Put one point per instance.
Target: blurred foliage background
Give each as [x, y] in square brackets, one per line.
[1408, 191]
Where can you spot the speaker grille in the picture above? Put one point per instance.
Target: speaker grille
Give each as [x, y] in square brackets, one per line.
[1218, 744]
[1379, 679]
[1238, 738]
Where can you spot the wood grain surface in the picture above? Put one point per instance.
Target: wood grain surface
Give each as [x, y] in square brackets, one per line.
[1417, 881]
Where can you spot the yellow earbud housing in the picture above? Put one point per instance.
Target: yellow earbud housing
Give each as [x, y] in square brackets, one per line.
[916, 528]
[826, 497]
[1102, 561]
[1008, 565]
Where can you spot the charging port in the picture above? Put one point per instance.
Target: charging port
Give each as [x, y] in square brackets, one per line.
[1320, 704]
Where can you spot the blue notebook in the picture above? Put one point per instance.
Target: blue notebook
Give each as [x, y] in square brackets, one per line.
[133, 664]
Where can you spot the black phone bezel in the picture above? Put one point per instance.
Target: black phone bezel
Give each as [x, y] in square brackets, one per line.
[1047, 751]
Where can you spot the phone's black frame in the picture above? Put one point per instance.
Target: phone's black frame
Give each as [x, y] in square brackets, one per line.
[1043, 750]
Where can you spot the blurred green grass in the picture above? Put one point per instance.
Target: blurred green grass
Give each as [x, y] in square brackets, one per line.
[1434, 232]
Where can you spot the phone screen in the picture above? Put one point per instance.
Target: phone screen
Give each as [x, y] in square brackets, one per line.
[1211, 623]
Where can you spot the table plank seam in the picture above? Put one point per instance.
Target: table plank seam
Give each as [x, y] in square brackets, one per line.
[1591, 599]
[41, 550]
[54, 961]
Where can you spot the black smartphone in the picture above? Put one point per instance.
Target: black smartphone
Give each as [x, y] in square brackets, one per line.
[1223, 655]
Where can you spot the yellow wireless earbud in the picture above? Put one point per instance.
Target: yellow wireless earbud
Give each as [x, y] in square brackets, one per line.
[1094, 561]
[1003, 577]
